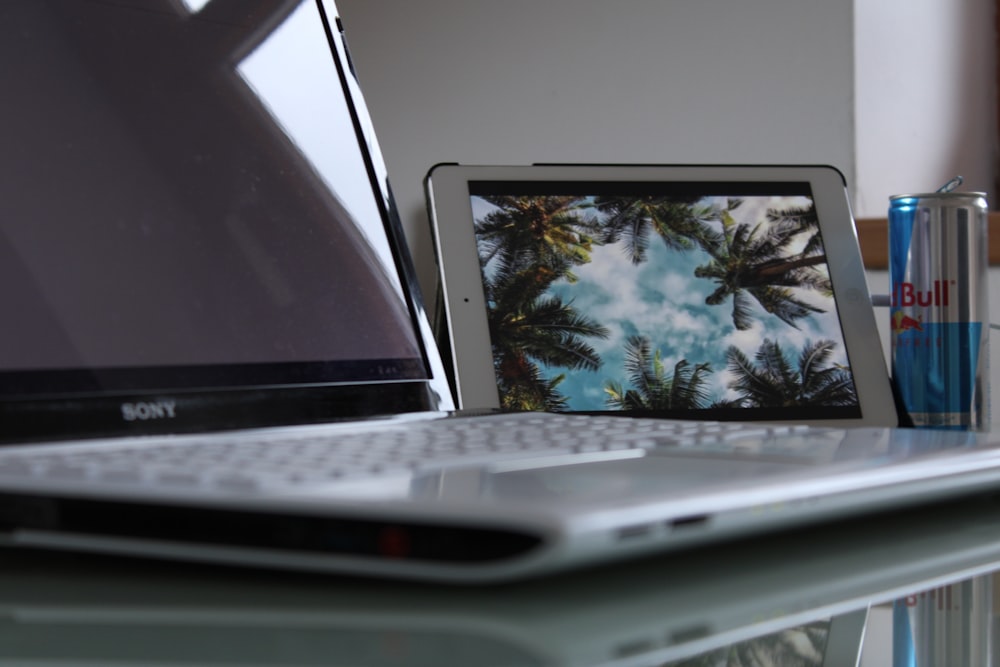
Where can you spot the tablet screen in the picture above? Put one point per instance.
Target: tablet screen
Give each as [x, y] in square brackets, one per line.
[677, 297]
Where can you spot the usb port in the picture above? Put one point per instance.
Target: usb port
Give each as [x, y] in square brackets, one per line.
[686, 522]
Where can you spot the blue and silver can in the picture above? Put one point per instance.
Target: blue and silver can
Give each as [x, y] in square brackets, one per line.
[939, 308]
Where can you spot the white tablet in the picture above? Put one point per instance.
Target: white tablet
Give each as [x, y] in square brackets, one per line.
[707, 292]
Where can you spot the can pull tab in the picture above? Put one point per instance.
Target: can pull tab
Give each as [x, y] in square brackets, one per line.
[952, 184]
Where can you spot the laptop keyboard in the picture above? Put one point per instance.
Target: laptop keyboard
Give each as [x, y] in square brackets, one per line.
[246, 461]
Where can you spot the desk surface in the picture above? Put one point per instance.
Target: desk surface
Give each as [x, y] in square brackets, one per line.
[64, 609]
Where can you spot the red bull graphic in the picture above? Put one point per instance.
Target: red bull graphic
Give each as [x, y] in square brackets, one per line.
[901, 323]
[939, 308]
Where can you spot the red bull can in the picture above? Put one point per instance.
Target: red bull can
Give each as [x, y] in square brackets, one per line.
[938, 262]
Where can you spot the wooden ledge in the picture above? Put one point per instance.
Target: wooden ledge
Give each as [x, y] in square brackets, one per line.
[873, 235]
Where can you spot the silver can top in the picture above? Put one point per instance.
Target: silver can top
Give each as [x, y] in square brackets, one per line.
[940, 195]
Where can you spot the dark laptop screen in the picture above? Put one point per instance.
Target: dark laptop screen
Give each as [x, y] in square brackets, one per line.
[187, 201]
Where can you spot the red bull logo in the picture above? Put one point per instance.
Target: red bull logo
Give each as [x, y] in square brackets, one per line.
[905, 295]
[901, 323]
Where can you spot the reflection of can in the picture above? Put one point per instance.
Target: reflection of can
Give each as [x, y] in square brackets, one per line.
[946, 626]
[939, 310]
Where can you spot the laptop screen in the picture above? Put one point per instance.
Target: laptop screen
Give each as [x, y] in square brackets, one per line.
[668, 297]
[188, 202]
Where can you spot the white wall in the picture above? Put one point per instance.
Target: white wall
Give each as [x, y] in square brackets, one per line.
[926, 97]
[520, 81]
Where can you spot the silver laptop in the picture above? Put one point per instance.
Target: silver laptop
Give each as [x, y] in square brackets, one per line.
[213, 347]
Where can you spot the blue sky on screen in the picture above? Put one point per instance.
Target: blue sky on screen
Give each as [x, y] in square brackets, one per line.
[663, 300]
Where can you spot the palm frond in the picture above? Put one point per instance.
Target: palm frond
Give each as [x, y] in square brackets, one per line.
[781, 303]
[812, 357]
[755, 386]
[742, 311]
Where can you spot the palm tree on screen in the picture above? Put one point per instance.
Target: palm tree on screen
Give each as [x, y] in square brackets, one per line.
[652, 387]
[533, 232]
[795, 220]
[525, 245]
[771, 380]
[528, 328]
[677, 221]
[755, 263]
[531, 391]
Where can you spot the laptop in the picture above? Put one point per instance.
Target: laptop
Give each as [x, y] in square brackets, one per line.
[214, 348]
[708, 291]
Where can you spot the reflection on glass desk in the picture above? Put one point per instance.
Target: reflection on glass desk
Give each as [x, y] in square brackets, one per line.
[802, 597]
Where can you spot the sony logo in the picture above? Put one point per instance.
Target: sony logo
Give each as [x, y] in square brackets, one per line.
[145, 410]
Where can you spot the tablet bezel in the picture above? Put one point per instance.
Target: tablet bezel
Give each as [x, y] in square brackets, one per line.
[463, 331]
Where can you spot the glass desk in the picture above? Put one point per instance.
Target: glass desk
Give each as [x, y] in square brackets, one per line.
[800, 596]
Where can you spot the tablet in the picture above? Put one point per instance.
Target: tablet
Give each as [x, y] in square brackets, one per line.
[704, 292]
